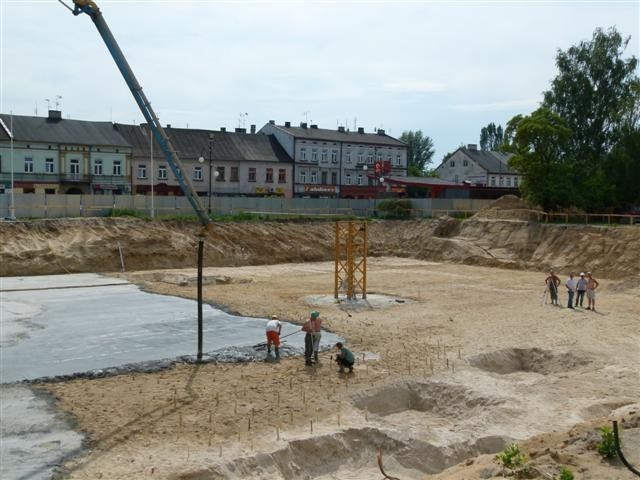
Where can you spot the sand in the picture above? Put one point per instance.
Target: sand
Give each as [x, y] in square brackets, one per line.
[470, 361]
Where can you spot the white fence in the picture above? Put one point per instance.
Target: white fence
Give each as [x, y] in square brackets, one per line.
[32, 205]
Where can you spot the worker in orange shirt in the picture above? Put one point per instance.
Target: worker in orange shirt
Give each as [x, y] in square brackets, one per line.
[274, 327]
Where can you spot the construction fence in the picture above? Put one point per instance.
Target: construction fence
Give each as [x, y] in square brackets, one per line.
[33, 205]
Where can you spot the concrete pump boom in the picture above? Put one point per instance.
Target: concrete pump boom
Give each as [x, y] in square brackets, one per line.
[90, 8]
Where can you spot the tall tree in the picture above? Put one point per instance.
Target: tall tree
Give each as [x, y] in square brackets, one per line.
[491, 137]
[596, 92]
[540, 143]
[419, 152]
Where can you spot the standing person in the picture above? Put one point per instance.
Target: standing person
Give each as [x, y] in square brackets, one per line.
[592, 284]
[571, 288]
[308, 342]
[344, 358]
[581, 288]
[553, 282]
[316, 328]
[274, 328]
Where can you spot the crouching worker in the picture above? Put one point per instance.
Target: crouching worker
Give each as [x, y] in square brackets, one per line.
[274, 327]
[344, 358]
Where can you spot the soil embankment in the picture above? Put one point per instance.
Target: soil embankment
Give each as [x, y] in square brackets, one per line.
[42, 247]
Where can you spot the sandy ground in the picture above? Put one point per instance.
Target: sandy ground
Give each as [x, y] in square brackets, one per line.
[470, 361]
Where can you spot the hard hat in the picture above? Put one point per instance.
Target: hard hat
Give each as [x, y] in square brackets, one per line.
[274, 317]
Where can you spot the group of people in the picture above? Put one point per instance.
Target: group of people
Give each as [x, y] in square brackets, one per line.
[576, 289]
[313, 333]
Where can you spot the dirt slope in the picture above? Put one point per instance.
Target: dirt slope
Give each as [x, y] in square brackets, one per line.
[91, 244]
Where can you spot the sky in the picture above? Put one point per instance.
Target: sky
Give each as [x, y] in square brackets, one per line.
[447, 68]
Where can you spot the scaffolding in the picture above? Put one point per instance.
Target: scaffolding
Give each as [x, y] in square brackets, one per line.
[351, 259]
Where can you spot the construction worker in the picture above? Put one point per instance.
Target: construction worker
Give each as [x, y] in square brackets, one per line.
[274, 327]
[571, 288]
[309, 328]
[592, 284]
[316, 327]
[344, 358]
[553, 282]
[581, 288]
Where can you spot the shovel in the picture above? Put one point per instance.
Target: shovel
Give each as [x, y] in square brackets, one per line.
[262, 345]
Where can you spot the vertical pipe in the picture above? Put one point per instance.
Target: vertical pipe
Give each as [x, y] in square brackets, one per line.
[200, 255]
[153, 213]
[364, 258]
[12, 211]
[336, 261]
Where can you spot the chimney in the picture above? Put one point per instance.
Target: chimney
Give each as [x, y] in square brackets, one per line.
[303, 124]
[223, 129]
[241, 130]
[55, 115]
[253, 129]
[360, 129]
[272, 122]
[472, 146]
[168, 125]
[314, 126]
[287, 124]
[380, 131]
[341, 129]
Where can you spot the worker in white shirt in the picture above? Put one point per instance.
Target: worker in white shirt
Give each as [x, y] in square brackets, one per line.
[571, 288]
[274, 327]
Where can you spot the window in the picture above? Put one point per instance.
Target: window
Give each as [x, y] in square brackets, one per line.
[303, 176]
[142, 171]
[303, 154]
[323, 158]
[314, 176]
[360, 179]
[117, 167]
[369, 157]
[501, 181]
[398, 160]
[197, 174]
[508, 181]
[379, 157]
[235, 177]
[269, 175]
[323, 176]
[334, 178]
[282, 175]
[74, 167]
[162, 172]
[314, 154]
[50, 191]
[220, 174]
[452, 164]
[334, 156]
[465, 163]
[455, 178]
[347, 179]
[28, 164]
[252, 174]
[48, 165]
[348, 155]
[515, 182]
[97, 167]
[493, 181]
[360, 157]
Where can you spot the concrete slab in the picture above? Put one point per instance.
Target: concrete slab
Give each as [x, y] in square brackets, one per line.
[64, 331]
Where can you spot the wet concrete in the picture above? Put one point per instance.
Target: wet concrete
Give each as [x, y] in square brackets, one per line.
[89, 325]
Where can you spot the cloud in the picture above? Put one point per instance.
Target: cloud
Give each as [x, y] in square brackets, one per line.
[415, 86]
[496, 106]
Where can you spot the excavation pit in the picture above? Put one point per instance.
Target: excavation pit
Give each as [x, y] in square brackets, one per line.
[536, 360]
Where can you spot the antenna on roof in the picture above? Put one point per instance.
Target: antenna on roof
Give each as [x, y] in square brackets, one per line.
[306, 116]
[58, 98]
[48, 103]
[35, 110]
[355, 123]
[242, 121]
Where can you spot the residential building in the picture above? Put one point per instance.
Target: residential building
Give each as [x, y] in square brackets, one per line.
[482, 168]
[339, 163]
[56, 155]
[231, 163]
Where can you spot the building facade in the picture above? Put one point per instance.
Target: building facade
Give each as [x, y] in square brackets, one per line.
[339, 163]
[56, 155]
[218, 163]
[482, 168]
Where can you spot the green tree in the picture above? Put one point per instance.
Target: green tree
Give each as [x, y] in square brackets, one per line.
[491, 137]
[540, 143]
[597, 92]
[419, 152]
[622, 168]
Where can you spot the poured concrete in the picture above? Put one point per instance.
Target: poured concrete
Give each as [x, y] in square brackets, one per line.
[68, 324]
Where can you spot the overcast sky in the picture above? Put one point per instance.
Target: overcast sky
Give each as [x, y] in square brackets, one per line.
[447, 68]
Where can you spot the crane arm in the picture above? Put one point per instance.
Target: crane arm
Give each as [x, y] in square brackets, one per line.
[90, 8]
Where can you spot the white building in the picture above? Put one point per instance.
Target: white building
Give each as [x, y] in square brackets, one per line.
[468, 164]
